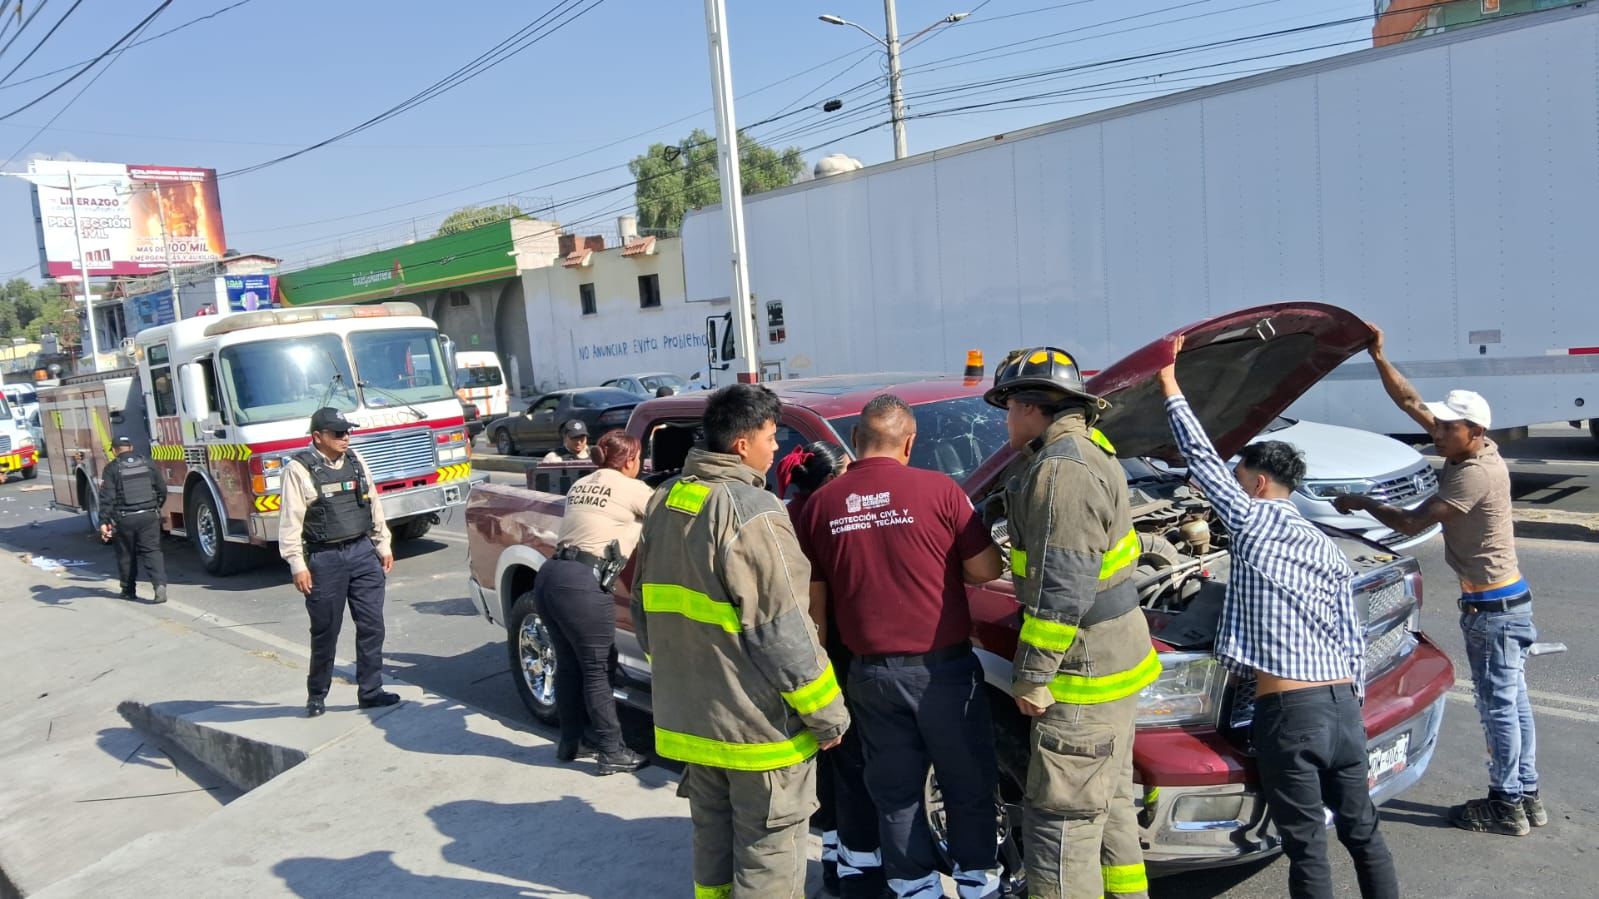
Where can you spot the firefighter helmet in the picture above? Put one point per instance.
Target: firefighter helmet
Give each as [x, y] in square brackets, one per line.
[1041, 375]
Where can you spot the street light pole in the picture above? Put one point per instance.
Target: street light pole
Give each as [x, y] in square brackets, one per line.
[896, 100]
[83, 270]
[896, 97]
[731, 182]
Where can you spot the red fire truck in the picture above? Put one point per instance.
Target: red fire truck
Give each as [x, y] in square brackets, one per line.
[221, 403]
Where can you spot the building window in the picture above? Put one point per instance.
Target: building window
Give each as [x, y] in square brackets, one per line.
[649, 291]
[458, 299]
[775, 331]
[585, 296]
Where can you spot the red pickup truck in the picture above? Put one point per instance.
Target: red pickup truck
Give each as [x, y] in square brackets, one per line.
[1192, 756]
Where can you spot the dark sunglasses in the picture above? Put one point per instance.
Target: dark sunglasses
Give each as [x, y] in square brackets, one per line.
[338, 435]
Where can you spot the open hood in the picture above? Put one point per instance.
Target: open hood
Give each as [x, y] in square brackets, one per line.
[1239, 371]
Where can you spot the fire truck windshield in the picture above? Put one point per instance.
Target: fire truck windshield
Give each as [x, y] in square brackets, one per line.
[404, 364]
[273, 380]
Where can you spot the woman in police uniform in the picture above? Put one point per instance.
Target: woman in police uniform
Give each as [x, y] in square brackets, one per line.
[603, 508]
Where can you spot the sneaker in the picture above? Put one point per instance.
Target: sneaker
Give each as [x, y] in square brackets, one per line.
[1537, 815]
[1491, 816]
[620, 762]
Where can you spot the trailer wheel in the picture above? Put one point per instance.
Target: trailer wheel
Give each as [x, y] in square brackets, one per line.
[208, 530]
[532, 659]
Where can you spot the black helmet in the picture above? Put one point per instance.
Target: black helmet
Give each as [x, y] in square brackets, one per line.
[1043, 375]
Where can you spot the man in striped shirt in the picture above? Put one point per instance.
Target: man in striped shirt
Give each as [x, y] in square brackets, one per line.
[1290, 620]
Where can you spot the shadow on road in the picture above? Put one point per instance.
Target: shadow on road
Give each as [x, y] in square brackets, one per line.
[1207, 884]
[1417, 814]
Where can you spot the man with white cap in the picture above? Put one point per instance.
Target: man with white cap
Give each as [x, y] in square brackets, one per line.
[1473, 505]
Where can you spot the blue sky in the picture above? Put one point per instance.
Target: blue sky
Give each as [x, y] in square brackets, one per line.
[560, 120]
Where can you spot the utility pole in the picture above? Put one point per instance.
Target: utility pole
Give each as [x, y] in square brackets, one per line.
[83, 270]
[896, 99]
[166, 249]
[732, 183]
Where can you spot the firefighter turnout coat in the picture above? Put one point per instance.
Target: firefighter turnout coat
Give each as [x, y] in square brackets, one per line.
[720, 608]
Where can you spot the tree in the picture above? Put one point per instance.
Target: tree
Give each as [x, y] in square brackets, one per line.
[468, 217]
[674, 179]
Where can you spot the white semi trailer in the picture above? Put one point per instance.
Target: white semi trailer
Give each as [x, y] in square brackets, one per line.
[1446, 188]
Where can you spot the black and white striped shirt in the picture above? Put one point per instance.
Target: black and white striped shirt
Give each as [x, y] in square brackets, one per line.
[1290, 608]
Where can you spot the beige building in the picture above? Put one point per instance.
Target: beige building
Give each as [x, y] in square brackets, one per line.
[602, 312]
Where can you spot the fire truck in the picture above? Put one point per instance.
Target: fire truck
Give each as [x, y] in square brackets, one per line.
[222, 403]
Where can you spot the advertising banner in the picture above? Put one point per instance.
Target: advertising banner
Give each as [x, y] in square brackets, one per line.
[132, 219]
[151, 309]
[247, 293]
[466, 257]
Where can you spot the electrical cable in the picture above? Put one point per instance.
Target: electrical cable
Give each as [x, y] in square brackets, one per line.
[92, 63]
[151, 39]
[520, 41]
[25, 23]
[42, 41]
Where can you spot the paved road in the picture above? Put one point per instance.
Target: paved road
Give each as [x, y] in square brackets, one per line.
[438, 640]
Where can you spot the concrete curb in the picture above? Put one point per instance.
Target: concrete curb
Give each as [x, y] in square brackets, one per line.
[1539, 524]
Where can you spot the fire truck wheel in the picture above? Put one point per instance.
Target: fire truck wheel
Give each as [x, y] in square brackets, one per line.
[532, 660]
[412, 528]
[29, 474]
[208, 530]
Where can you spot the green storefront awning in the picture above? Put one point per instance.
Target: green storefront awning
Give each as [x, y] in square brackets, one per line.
[468, 257]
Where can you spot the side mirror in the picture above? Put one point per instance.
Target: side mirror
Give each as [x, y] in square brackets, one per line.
[192, 379]
[447, 347]
[115, 418]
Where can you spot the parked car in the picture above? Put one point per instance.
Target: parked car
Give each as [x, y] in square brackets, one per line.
[538, 429]
[1200, 800]
[1340, 460]
[649, 384]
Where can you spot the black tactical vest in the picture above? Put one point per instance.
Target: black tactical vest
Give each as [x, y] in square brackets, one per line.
[341, 510]
[138, 493]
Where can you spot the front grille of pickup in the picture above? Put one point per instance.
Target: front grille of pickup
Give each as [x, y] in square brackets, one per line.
[394, 455]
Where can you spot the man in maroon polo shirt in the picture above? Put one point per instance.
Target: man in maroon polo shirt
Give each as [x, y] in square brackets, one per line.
[894, 548]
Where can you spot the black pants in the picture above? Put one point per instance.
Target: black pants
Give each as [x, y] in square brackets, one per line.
[912, 716]
[1310, 745]
[349, 573]
[138, 539]
[581, 619]
[846, 806]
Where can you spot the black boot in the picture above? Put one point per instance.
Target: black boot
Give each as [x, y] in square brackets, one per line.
[620, 761]
[160, 593]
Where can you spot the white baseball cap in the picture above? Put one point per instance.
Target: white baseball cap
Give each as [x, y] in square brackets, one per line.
[1463, 405]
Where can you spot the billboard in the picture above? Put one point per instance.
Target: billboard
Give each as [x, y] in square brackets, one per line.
[247, 293]
[132, 219]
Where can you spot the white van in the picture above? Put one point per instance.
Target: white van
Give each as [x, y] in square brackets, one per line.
[23, 399]
[480, 380]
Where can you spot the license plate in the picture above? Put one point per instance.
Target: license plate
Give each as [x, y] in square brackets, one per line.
[1388, 759]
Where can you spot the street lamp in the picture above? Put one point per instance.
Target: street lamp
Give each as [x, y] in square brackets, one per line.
[892, 44]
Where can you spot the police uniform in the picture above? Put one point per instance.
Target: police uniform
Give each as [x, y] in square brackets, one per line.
[1083, 652]
[132, 493]
[572, 428]
[332, 525]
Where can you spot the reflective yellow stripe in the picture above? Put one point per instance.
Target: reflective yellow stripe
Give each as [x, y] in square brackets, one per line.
[1123, 554]
[687, 497]
[690, 604]
[1101, 441]
[1018, 562]
[1125, 879]
[735, 756]
[816, 694]
[701, 891]
[1080, 689]
[1045, 634]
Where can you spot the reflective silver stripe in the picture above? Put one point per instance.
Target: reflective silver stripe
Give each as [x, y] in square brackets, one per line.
[853, 863]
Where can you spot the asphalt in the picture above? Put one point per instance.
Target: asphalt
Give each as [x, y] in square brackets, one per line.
[235, 628]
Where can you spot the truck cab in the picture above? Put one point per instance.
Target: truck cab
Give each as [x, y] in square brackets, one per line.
[19, 452]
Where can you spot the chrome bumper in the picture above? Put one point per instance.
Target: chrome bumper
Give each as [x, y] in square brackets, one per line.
[397, 505]
[1190, 826]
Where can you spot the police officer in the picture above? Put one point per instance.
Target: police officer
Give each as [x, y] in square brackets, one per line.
[574, 443]
[131, 493]
[332, 533]
[1084, 650]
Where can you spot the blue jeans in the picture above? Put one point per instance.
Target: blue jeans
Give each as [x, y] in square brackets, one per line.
[1496, 648]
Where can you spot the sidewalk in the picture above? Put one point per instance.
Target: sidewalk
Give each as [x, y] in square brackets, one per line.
[430, 797]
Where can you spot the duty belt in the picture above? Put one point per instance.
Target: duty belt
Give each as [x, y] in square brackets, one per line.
[605, 569]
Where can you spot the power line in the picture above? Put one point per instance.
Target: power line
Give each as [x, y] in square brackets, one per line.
[42, 41]
[25, 23]
[151, 39]
[530, 34]
[81, 91]
[92, 63]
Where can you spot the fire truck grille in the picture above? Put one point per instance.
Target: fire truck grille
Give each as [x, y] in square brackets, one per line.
[394, 455]
[5, 443]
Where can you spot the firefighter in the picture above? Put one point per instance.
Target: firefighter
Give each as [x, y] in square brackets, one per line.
[132, 491]
[332, 533]
[742, 691]
[1084, 650]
